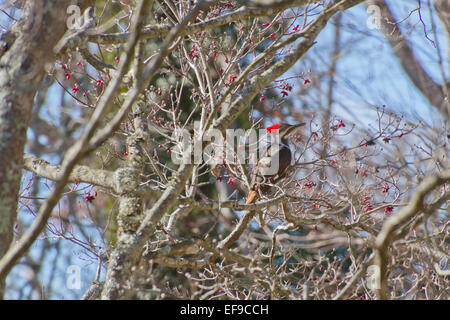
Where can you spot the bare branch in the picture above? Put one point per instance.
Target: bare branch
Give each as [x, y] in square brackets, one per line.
[388, 233]
[161, 31]
[102, 178]
[432, 91]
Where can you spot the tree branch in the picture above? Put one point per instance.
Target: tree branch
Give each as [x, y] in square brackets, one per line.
[278, 68]
[42, 168]
[388, 233]
[129, 246]
[432, 91]
[161, 31]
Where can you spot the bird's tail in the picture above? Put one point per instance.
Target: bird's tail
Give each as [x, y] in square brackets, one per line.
[252, 197]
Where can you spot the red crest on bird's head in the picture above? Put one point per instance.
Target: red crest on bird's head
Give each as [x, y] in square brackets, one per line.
[273, 127]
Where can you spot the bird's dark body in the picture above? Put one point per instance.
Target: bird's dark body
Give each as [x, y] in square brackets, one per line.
[280, 152]
[284, 155]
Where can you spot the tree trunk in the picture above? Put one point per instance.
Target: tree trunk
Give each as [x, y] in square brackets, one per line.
[24, 53]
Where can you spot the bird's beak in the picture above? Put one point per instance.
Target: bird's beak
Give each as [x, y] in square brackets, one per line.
[296, 126]
[294, 129]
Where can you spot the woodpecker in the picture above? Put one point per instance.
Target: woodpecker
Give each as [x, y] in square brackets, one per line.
[281, 150]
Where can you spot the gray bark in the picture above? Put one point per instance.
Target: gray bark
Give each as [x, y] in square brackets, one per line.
[24, 52]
